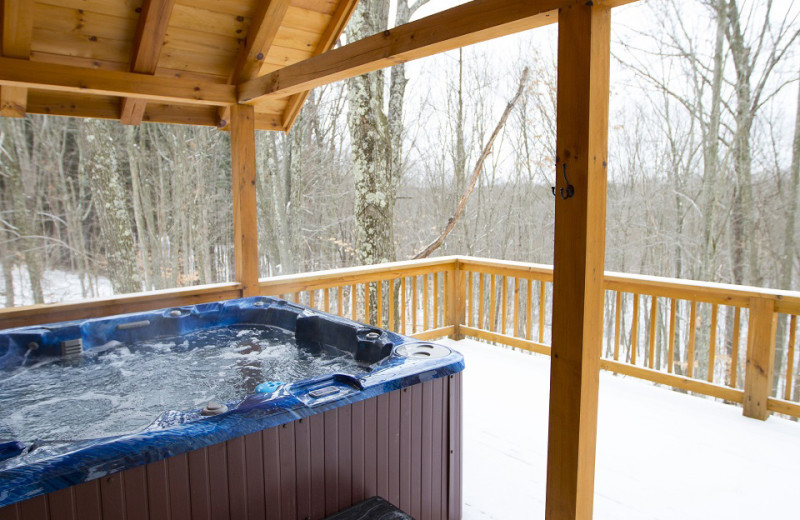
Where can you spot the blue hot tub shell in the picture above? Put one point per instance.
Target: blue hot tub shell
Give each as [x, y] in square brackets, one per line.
[396, 362]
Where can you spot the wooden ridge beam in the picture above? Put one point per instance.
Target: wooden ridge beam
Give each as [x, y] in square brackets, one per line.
[17, 16]
[66, 78]
[150, 33]
[474, 22]
[332, 33]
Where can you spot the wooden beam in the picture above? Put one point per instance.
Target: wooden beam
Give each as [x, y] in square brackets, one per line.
[66, 78]
[150, 33]
[260, 36]
[474, 22]
[13, 101]
[581, 156]
[17, 34]
[332, 33]
[245, 227]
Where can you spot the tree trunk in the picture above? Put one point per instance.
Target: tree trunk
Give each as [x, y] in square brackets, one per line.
[99, 160]
[23, 188]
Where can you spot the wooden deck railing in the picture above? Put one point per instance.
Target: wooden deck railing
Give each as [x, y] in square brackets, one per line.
[712, 339]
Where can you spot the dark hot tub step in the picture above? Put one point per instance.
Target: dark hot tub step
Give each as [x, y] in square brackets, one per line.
[374, 508]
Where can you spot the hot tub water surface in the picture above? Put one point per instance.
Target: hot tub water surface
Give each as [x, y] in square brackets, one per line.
[117, 389]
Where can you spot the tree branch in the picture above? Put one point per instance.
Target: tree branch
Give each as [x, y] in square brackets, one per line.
[451, 223]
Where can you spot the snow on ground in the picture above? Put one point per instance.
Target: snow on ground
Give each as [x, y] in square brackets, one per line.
[660, 454]
[57, 286]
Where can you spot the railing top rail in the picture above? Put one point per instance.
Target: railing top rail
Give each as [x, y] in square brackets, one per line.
[726, 294]
[120, 303]
[345, 276]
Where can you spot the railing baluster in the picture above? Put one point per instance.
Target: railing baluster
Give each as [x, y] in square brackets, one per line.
[425, 302]
[692, 325]
[635, 328]
[480, 300]
[311, 302]
[403, 305]
[470, 303]
[414, 304]
[712, 343]
[391, 305]
[339, 309]
[653, 316]
[492, 291]
[737, 320]
[617, 324]
[529, 310]
[503, 304]
[297, 297]
[379, 297]
[435, 322]
[515, 320]
[787, 391]
[542, 307]
[354, 301]
[673, 306]
[326, 300]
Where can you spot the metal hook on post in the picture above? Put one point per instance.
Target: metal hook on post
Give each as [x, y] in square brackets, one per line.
[569, 191]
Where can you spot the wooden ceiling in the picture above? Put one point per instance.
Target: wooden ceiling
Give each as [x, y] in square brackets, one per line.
[208, 42]
[190, 61]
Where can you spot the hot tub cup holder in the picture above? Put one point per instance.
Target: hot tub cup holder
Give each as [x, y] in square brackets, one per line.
[423, 351]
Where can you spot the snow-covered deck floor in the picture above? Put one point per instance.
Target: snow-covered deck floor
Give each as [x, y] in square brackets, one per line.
[660, 454]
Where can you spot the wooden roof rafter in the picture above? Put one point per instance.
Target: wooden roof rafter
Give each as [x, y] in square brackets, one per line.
[150, 34]
[260, 37]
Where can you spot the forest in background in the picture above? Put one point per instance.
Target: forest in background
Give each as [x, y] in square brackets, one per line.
[703, 175]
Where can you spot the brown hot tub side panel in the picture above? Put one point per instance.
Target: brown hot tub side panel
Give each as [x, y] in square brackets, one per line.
[404, 446]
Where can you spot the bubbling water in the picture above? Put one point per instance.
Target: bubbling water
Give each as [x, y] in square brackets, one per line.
[122, 388]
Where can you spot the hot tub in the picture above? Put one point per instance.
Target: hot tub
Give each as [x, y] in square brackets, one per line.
[292, 413]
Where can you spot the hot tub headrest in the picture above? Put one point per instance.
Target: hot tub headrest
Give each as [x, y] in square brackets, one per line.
[366, 344]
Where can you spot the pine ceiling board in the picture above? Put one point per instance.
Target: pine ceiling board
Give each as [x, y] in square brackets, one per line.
[306, 19]
[244, 8]
[188, 75]
[215, 44]
[69, 44]
[267, 121]
[74, 105]
[205, 21]
[275, 106]
[78, 61]
[323, 6]
[84, 23]
[179, 59]
[279, 56]
[297, 39]
[120, 8]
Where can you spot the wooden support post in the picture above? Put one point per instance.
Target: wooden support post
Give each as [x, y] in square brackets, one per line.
[245, 228]
[581, 161]
[760, 357]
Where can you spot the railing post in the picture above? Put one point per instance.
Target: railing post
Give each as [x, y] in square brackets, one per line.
[455, 299]
[760, 357]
